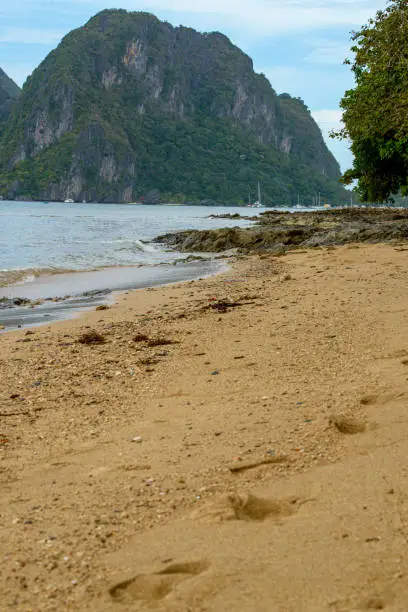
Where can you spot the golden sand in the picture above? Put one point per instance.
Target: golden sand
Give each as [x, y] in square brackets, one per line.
[234, 443]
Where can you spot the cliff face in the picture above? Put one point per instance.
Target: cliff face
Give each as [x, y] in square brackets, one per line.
[9, 91]
[128, 105]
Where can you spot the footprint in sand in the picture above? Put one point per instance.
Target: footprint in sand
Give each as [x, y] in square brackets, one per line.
[373, 602]
[153, 587]
[380, 400]
[246, 507]
[397, 353]
[347, 424]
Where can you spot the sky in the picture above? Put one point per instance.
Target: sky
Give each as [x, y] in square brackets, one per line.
[300, 45]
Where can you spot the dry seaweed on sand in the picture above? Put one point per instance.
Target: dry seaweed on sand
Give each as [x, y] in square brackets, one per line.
[140, 338]
[91, 337]
[161, 341]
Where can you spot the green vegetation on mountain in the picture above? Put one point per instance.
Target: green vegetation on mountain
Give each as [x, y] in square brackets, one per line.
[376, 110]
[129, 107]
[9, 91]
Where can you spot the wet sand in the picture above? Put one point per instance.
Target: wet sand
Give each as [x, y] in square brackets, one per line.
[87, 290]
[232, 443]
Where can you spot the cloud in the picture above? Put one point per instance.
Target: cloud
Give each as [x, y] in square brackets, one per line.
[328, 120]
[30, 36]
[328, 52]
[262, 17]
[320, 88]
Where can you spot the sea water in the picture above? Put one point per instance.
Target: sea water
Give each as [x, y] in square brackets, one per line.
[36, 235]
[58, 249]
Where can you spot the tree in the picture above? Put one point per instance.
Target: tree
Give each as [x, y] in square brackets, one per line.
[376, 110]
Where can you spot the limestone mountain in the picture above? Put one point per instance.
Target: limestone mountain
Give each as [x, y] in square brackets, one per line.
[129, 107]
[9, 91]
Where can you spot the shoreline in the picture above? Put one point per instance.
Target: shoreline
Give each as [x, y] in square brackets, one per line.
[227, 441]
[65, 293]
[92, 288]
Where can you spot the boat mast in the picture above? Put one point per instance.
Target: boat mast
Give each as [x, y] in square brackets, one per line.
[259, 193]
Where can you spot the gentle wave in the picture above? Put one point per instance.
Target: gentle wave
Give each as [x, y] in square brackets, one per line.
[9, 278]
[27, 275]
[135, 246]
[47, 239]
[145, 247]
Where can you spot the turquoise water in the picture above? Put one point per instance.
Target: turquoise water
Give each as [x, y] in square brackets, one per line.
[36, 235]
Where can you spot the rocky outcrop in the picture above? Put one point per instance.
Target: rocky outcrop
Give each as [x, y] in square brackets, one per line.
[128, 105]
[278, 232]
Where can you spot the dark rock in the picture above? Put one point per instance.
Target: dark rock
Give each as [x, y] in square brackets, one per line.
[94, 293]
[14, 302]
[277, 232]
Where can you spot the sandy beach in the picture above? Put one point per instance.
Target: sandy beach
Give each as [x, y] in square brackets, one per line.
[231, 443]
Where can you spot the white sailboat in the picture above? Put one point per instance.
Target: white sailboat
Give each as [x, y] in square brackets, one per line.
[258, 203]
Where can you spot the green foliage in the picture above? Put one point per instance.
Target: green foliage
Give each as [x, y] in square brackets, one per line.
[129, 101]
[376, 110]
